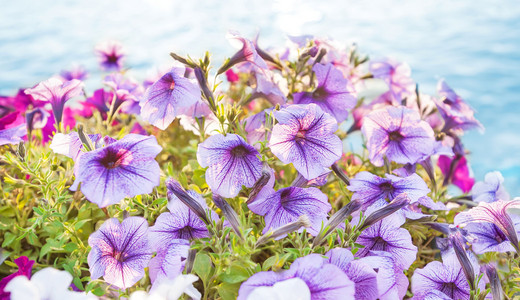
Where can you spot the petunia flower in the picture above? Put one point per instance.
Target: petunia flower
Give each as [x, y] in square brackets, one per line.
[388, 236]
[12, 135]
[171, 289]
[123, 168]
[162, 101]
[46, 284]
[447, 278]
[363, 276]
[369, 188]
[232, 163]
[181, 222]
[490, 189]
[304, 136]
[24, 269]
[397, 75]
[57, 92]
[270, 86]
[127, 93]
[110, 55]
[76, 72]
[457, 171]
[397, 133]
[120, 251]
[457, 114]
[324, 280]
[169, 261]
[247, 53]
[494, 213]
[334, 93]
[99, 100]
[287, 204]
[489, 238]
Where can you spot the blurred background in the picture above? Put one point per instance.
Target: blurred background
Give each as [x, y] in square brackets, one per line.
[474, 45]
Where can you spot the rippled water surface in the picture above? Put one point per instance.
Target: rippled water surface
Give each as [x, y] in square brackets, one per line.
[475, 45]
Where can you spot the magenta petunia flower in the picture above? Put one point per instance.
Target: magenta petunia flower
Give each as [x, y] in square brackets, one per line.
[363, 276]
[99, 100]
[110, 55]
[304, 136]
[460, 174]
[120, 251]
[491, 189]
[56, 92]
[369, 188]
[388, 236]
[162, 101]
[457, 114]
[397, 75]
[324, 280]
[232, 163]
[123, 168]
[24, 269]
[399, 134]
[334, 93]
[288, 204]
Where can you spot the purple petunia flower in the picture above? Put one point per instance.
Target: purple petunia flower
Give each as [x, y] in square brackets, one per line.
[397, 133]
[180, 223]
[162, 101]
[363, 276]
[490, 189]
[370, 188]
[123, 168]
[268, 86]
[232, 163]
[324, 280]
[57, 92]
[334, 94]
[110, 55]
[447, 278]
[304, 136]
[388, 236]
[169, 261]
[77, 72]
[71, 146]
[12, 135]
[456, 113]
[396, 75]
[489, 238]
[287, 204]
[120, 251]
[127, 92]
[247, 53]
[494, 213]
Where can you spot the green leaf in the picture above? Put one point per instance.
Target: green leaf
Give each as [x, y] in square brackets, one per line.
[229, 291]
[235, 274]
[80, 224]
[8, 239]
[45, 249]
[77, 282]
[203, 266]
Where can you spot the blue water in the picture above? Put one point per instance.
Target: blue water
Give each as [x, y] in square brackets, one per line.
[475, 45]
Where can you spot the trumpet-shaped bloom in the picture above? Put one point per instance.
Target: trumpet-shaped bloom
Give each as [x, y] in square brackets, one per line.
[304, 136]
[122, 168]
[169, 261]
[24, 269]
[120, 251]
[489, 238]
[162, 101]
[363, 276]
[247, 53]
[490, 189]
[399, 134]
[110, 55]
[232, 163]
[180, 223]
[388, 236]
[324, 280]
[369, 188]
[56, 92]
[397, 75]
[287, 204]
[334, 93]
[46, 284]
[457, 114]
[447, 278]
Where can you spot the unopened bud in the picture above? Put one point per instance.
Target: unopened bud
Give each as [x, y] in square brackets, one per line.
[303, 221]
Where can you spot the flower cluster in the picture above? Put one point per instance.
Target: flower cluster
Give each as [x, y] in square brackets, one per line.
[239, 184]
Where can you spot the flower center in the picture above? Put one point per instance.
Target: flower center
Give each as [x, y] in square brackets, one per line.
[449, 288]
[500, 237]
[118, 256]
[300, 135]
[395, 136]
[387, 187]
[379, 244]
[172, 85]
[320, 93]
[239, 151]
[112, 58]
[113, 159]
